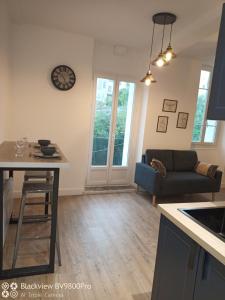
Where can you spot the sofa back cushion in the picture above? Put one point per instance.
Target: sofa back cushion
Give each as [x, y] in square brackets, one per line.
[184, 160]
[165, 156]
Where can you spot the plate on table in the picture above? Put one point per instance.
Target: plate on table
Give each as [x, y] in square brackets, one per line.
[36, 145]
[41, 155]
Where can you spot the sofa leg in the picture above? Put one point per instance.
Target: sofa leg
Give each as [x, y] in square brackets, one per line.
[213, 196]
[138, 188]
[154, 200]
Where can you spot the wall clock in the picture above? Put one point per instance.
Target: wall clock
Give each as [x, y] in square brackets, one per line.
[63, 77]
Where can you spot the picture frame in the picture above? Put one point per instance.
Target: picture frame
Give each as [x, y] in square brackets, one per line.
[182, 120]
[169, 105]
[162, 124]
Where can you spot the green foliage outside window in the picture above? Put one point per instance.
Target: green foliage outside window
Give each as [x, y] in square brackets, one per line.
[102, 127]
[199, 116]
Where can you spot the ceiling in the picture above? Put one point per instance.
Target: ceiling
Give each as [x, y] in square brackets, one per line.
[128, 22]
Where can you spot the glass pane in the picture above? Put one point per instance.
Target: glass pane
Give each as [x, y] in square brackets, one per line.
[199, 115]
[123, 123]
[204, 79]
[211, 123]
[210, 132]
[103, 113]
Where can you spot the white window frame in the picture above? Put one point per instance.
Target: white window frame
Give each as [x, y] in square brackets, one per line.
[116, 79]
[202, 143]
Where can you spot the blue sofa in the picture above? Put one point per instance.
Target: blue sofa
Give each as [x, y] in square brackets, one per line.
[181, 177]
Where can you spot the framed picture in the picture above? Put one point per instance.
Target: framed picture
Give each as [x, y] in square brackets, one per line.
[182, 120]
[169, 105]
[162, 124]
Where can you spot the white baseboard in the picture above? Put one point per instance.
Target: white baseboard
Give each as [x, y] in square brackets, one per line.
[62, 192]
[223, 185]
[109, 191]
[71, 191]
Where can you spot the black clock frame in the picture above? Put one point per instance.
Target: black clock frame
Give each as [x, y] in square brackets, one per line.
[53, 81]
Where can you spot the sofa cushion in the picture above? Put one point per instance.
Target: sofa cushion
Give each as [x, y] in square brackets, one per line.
[165, 156]
[158, 166]
[186, 182]
[184, 160]
[206, 169]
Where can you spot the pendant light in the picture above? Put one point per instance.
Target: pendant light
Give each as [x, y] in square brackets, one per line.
[148, 79]
[160, 61]
[169, 53]
[166, 56]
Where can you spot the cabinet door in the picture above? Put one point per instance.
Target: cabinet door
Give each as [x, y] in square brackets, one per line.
[216, 108]
[176, 264]
[210, 283]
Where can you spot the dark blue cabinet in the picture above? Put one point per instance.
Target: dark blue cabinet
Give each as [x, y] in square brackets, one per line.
[216, 108]
[210, 282]
[176, 264]
[184, 270]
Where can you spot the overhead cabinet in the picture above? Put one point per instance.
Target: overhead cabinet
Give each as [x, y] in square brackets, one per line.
[216, 108]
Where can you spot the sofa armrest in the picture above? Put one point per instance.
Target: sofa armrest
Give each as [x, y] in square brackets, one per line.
[143, 158]
[218, 177]
[147, 178]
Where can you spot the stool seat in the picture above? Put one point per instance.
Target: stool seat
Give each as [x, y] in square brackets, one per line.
[37, 175]
[37, 187]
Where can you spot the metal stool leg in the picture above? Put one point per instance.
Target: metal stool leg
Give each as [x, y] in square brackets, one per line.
[18, 231]
[47, 196]
[57, 242]
[46, 203]
[58, 247]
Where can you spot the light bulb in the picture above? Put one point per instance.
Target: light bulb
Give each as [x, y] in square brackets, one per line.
[160, 62]
[168, 55]
[147, 81]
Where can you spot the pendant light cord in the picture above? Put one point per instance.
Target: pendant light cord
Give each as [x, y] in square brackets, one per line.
[164, 25]
[171, 30]
[153, 33]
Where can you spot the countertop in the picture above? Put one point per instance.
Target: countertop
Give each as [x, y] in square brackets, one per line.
[8, 158]
[200, 235]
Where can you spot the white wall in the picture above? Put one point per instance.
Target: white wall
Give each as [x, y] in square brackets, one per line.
[39, 110]
[5, 68]
[119, 60]
[177, 81]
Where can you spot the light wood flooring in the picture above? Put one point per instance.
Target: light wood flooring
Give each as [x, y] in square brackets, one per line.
[108, 245]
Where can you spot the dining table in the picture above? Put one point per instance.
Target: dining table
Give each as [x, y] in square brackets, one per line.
[28, 160]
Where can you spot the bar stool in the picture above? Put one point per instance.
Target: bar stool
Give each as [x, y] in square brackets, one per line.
[30, 187]
[40, 175]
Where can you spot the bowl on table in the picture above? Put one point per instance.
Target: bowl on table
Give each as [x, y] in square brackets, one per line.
[44, 143]
[48, 151]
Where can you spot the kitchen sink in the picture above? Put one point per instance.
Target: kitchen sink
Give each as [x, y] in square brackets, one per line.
[212, 219]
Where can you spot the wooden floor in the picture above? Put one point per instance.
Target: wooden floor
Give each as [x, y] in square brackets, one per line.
[108, 245]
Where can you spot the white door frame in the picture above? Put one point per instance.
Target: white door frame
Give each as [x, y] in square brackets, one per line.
[109, 167]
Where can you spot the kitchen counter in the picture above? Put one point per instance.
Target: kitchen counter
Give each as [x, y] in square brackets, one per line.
[199, 234]
[8, 158]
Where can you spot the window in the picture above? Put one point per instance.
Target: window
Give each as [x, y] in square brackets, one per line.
[112, 122]
[204, 131]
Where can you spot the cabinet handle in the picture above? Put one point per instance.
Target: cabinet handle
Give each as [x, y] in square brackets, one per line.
[191, 260]
[205, 266]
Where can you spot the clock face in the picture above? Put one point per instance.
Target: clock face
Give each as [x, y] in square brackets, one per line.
[63, 77]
